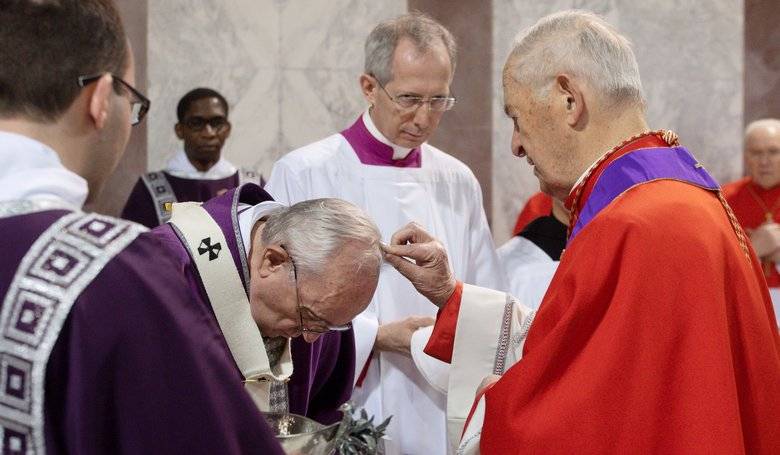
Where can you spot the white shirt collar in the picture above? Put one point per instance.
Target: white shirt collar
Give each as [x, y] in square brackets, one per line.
[32, 170]
[180, 166]
[399, 152]
[248, 215]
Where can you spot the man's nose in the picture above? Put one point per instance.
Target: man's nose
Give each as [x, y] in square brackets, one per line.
[209, 130]
[516, 149]
[310, 337]
[422, 115]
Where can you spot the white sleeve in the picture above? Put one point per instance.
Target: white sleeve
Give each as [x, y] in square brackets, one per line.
[436, 372]
[365, 326]
[774, 293]
[489, 339]
[284, 184]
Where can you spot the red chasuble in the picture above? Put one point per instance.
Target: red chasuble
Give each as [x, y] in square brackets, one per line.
[656, 335]
[754, 206]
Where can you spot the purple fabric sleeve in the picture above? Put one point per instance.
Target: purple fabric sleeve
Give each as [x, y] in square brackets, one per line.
[137, 368]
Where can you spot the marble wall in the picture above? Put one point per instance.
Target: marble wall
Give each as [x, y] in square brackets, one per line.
[691, 59]
[118, 186]
[289, 69]
[762, 59]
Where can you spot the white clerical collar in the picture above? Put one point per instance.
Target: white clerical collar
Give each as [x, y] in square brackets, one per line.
[32, 170]
[399, 152]
[180, 166]
[248, 215]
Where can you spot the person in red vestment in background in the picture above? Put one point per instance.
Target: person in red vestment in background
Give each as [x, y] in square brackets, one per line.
[539, 204]
[756, 198]
[657, 333]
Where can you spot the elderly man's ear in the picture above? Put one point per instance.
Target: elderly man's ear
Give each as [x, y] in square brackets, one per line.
[273, 259]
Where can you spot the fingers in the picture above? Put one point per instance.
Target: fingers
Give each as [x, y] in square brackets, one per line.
[418, 322]
[418, 251]
[404, 266]
[425, 321]
[411, 233]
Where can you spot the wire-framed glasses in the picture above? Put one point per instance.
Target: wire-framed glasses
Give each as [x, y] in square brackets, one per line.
[412, 102]
[320, 325]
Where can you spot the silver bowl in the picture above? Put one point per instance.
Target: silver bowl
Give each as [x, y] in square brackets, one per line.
[302, 436]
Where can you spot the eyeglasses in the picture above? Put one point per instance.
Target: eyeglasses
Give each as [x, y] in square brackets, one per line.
[412, 102]
[139, 104]
[218, 124]
[325, 327]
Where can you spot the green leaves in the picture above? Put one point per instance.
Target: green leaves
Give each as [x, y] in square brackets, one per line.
[359, 436]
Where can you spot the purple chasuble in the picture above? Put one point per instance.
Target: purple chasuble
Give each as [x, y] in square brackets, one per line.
[638, 167]
[140, 206]
[322, 371]
[372, 152]
[134, 366]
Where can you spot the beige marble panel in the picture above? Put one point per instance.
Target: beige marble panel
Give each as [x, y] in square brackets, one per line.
[690, 56]
[230, 46]
[318, 103]
[288, 68]
[255, 118]
[330, 35]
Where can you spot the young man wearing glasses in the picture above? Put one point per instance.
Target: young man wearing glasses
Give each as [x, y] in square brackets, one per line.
[196, 172]
[280, 282]
[101, 350]
[383, 164]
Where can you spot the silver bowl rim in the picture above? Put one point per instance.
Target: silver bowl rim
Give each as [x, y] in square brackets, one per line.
[286, 436]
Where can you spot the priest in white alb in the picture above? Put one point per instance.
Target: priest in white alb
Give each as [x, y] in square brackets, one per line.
[383, 164]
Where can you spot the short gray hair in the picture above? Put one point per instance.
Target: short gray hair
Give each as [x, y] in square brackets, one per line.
[584, 45]
[312, 231]
[762, 123]
[420, 28]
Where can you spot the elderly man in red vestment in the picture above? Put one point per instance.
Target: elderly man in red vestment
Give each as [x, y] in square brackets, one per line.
[756, 198]
[657, 333]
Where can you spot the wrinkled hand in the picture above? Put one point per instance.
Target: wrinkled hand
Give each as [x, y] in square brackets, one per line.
[766, 239]
[427, 267]
[397, 336]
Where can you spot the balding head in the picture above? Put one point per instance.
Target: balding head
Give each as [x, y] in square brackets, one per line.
[762, 152]
[583, 45]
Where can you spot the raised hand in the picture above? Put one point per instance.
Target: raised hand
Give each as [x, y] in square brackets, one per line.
[396, 336]
[423, 261]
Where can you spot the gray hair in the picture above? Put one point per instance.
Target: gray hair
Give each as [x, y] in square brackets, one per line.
[312, 231]
[767, 123]
[586, 46]
[420, 28]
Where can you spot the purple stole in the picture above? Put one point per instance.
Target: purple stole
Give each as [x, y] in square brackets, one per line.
[148, 202]
[639, 167]
[323, 370]
[372, 152]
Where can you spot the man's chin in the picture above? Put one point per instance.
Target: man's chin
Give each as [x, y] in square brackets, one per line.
[409, 141]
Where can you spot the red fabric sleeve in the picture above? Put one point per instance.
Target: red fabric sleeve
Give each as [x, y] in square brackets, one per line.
[443, 337]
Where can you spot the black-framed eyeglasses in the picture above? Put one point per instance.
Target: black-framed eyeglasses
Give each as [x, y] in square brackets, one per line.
[413, 102]
[197, 124]
[325, 328]
[139, 104]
